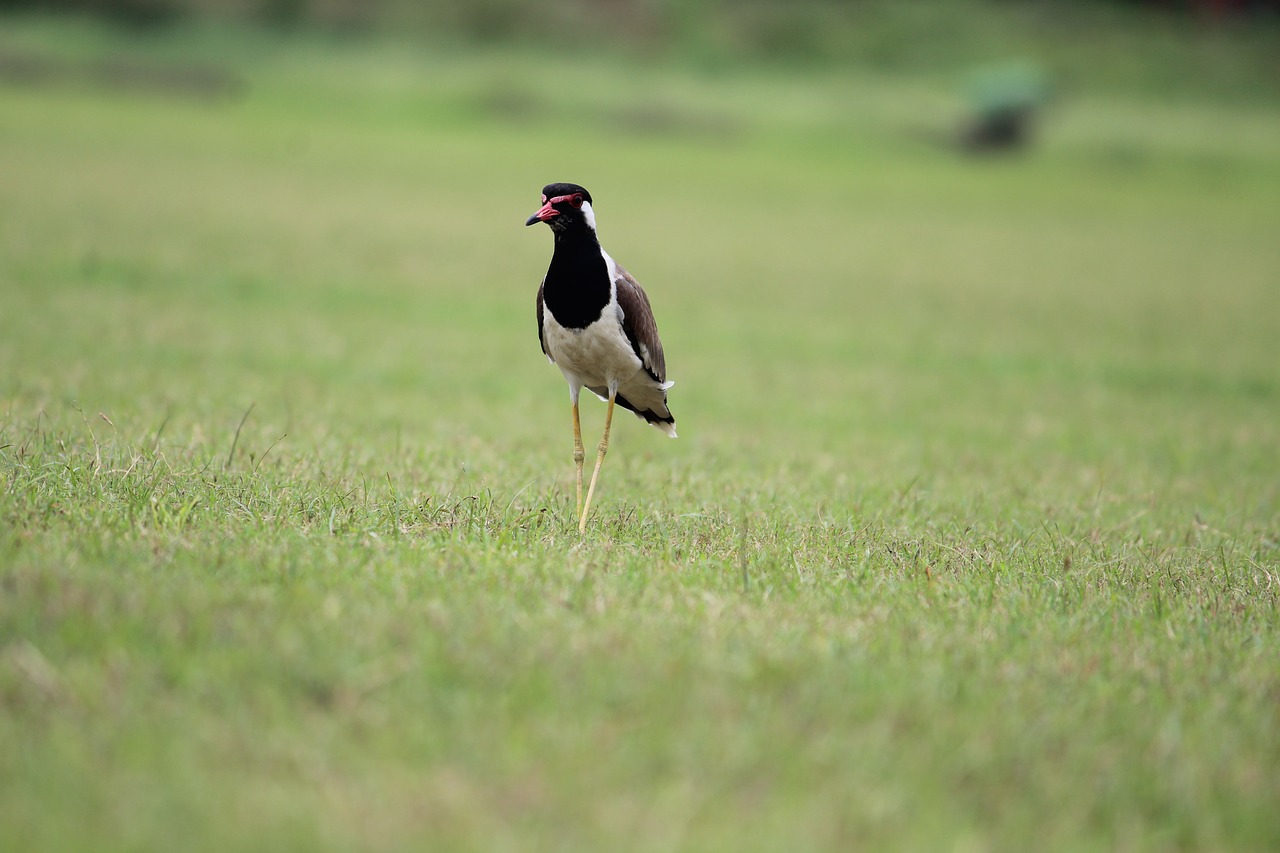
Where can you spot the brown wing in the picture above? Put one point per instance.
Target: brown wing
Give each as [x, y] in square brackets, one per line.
[640, 327]
[542, 342]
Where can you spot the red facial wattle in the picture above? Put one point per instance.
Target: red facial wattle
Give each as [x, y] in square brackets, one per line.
[548, 210]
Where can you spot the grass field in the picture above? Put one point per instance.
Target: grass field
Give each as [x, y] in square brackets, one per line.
[971, 539]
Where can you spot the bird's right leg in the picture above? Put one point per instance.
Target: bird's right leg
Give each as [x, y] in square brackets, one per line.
[578, 453]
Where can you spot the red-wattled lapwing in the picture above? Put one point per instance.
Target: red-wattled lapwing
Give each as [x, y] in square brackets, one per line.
[595, 324]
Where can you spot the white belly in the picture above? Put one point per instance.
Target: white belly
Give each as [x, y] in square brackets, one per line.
[599, 355]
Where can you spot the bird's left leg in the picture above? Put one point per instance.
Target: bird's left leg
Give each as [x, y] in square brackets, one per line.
[601, 450]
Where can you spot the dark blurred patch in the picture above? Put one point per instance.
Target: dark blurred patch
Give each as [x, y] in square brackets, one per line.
[514, 102]
[509, 101]
[140, 14]
[1006, 103]
[1121, 156]
[1150, 379]
[1007, 128]
[185, 80]
[665, 119]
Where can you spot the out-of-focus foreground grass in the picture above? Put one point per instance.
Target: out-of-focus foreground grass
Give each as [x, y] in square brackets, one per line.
[969, 540]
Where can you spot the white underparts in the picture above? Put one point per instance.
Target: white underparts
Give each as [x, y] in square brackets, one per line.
[600, 358]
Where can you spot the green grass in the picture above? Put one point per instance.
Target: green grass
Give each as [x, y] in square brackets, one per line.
[970, 540]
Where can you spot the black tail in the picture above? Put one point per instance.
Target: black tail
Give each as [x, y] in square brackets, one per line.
[666, 423]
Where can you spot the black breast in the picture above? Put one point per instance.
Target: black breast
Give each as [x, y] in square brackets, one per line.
[577, 285]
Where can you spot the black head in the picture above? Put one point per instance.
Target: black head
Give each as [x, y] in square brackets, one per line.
[566, 208]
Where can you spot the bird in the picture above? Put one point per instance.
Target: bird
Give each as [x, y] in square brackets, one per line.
[595, 324]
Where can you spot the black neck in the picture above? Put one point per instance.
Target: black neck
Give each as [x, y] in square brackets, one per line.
[577, 286]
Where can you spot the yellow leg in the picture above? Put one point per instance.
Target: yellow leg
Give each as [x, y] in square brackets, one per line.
[578, 453]
[602, 449]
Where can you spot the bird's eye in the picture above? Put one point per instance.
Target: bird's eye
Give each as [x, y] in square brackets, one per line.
[576, 201]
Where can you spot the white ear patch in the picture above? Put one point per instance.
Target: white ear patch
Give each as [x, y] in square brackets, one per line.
[588, 214]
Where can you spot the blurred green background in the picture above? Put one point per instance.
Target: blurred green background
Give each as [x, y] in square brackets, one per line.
[971, 537]
[1216, 47]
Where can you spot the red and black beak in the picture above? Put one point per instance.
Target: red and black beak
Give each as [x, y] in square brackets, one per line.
[546, 212]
